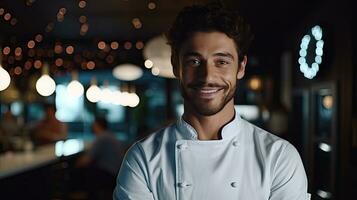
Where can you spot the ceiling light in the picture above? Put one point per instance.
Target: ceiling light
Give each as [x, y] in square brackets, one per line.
[75, 88]
[45, 85]
[5, 79]
[93, 93]
[159, 52]
[127, 72]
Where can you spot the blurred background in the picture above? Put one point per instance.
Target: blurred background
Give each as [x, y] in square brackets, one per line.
[84, 79]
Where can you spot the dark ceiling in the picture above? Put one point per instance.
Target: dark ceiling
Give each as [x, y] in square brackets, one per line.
[111, 20]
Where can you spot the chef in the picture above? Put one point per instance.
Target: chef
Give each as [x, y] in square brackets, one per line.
[210, 153]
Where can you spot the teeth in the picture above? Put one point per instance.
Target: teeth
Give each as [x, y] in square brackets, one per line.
[208, 91]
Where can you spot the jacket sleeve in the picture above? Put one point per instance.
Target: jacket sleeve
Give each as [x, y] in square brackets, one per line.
[132, 179]
[289, 180]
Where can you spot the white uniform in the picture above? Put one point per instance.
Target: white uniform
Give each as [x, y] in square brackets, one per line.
[248, 163]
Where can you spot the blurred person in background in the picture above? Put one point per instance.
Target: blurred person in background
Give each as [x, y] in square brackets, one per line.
[9, 127]
[9, 124]
[100, 164]
[49, 129]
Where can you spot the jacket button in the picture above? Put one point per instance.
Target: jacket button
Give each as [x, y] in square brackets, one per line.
[234, 184]
[182, 146]
[183, 184]
[235, 143]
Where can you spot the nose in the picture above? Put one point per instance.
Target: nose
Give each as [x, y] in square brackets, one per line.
[205, 72]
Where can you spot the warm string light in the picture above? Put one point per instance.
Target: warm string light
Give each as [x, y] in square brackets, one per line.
[139, 45]
[101, 45]
[60, 14]
[69, 49]
[31, 44]
[17, 70]
[109, 59]
[127, 98]
[136, 22]
[83, 20]
[84, 29]
[37, 64]
[50, 26]
[38, 38]
[18, 51]
[127, 45]
[8, 17]
[58, 49]
[151, 5]
[59, 62]
[30, 2]
[114, 45]
[6, 50]
[90, 65]
[82, 4]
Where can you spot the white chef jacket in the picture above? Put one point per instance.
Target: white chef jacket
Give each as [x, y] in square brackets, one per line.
[248, 163]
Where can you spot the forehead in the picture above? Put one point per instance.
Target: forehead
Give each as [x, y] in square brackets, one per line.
[209, 42]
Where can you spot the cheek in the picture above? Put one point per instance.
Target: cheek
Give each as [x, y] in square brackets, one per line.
[188, 76]
[230, 77]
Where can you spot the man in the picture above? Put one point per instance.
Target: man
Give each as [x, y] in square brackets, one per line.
[97, 168]
[106, 152]
[50, 129]
[211, 153]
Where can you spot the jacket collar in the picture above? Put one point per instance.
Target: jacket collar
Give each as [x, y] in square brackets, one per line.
[230, 130]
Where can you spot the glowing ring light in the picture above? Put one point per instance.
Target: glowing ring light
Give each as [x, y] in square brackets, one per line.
[311, 71]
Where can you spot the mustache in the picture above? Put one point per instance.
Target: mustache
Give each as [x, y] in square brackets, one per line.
[205, 84]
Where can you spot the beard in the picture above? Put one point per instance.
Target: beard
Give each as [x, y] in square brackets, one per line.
[207, 107]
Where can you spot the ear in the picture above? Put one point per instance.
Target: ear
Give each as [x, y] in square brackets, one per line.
[241, 67]
[175, 66]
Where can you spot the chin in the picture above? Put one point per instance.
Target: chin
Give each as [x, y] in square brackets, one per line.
[206, 109]
[207, 112]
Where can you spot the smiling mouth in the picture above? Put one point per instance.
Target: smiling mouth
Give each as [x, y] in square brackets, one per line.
[207, 92]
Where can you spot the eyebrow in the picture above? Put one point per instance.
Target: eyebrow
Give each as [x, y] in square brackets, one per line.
[224, 54]
[191, 54]
[219, 54]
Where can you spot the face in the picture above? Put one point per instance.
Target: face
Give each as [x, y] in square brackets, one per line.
[95, 128]
[208, 70]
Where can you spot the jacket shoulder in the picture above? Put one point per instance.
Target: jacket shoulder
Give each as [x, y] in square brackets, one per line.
[158, 140]
[266, 145]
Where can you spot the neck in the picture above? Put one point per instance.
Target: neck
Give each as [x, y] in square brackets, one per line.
[209, 127]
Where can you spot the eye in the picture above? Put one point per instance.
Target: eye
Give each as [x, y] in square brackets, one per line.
[193, 62]
[222, 62]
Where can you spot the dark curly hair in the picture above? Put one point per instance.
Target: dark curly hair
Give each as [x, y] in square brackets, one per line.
[207, 18]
